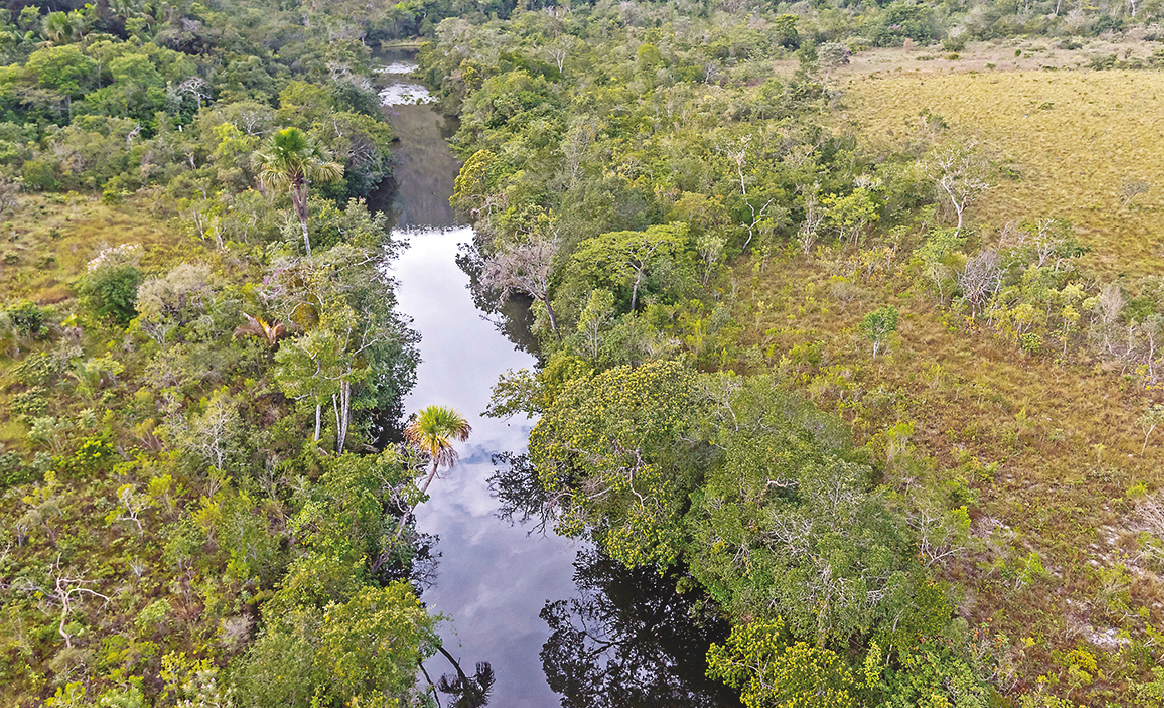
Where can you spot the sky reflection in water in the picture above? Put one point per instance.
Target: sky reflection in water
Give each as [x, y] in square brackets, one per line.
[493, 579]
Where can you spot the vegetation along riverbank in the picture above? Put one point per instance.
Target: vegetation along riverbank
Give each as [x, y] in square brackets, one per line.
[849, 322]
[864, 339]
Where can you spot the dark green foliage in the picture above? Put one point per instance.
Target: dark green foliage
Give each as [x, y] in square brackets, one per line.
[39, 174]
[900, 20]
[152, 444]
[29, 320]
[110, 292]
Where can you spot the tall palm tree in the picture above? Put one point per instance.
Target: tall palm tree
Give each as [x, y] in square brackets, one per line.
[433, 431]
[293, 160]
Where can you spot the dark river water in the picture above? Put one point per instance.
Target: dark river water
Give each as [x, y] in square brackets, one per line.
[558, 623]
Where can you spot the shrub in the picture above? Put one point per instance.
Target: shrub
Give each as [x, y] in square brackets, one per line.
[31, 403]
[95, 455]
[1031, 343]
[954, 44]
[877, 325]
[13, 471]
[1102, 62]
[36, 370]
[109, 289]
[28, 319]
[39, 175]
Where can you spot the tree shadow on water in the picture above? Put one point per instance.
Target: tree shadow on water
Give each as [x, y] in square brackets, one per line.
[512, 315]
[629, 640]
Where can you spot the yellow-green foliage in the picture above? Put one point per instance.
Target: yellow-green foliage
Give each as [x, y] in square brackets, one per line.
[1073, 141]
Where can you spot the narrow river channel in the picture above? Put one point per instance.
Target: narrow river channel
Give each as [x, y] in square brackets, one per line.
[492, 577]
[541, 609]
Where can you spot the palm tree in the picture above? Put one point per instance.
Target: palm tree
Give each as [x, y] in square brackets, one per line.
[432, 431]
[293, 160]
[469, 691]
[58, 27]
[258, 327]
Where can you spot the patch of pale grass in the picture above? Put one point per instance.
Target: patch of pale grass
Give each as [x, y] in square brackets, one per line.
[1073, 138]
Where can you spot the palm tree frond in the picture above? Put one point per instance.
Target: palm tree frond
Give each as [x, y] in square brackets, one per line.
[433, 430]
[258, 327]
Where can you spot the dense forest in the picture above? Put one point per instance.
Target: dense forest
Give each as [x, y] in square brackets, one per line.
[848, 317]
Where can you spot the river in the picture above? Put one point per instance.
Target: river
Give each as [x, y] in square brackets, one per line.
[540, 609]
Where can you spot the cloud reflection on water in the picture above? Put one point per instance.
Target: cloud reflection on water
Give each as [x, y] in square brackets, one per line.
[493, 578]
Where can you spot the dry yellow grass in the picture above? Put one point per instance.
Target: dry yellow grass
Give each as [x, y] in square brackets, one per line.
[1064, 433]
[46, 243]
[1074, 138]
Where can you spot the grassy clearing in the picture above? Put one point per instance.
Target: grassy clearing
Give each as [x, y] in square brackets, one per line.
[47, 242]
[1073, 140]
[1052, 449]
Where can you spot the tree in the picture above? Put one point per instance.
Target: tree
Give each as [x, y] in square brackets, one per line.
[356, 352]
[595, 318]
[61, 27]
[168, 303]
[63, 589]
[370, 646]
[738, 154]
[270, 332]
[64, 69]
[959, 171]
[527, 268]
[787, 525]
[627, 255]
[937, 258]
[876, 325]
[1152, 417]
[850, 214]
[214, 434]
[830, 55]
[432, 431]
[308, 368]
[559, 50]
[981, 278]
[610, 455]
[772, 670]
[292, 160]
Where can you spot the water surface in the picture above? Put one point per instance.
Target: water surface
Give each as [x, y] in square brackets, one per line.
[493, 578]
[532, 605]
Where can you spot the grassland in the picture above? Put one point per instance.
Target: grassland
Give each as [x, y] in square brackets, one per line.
[1070, 141]
[1050, 450]
[47, 240]
[1050, 446]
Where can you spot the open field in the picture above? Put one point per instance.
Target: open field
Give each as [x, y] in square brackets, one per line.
[1052, 452]
[47, 241]
[1051, 447]
[1071, 142]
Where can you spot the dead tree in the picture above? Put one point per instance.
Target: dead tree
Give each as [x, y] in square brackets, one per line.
[525, 268]
[63, 589]
[959, 171]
